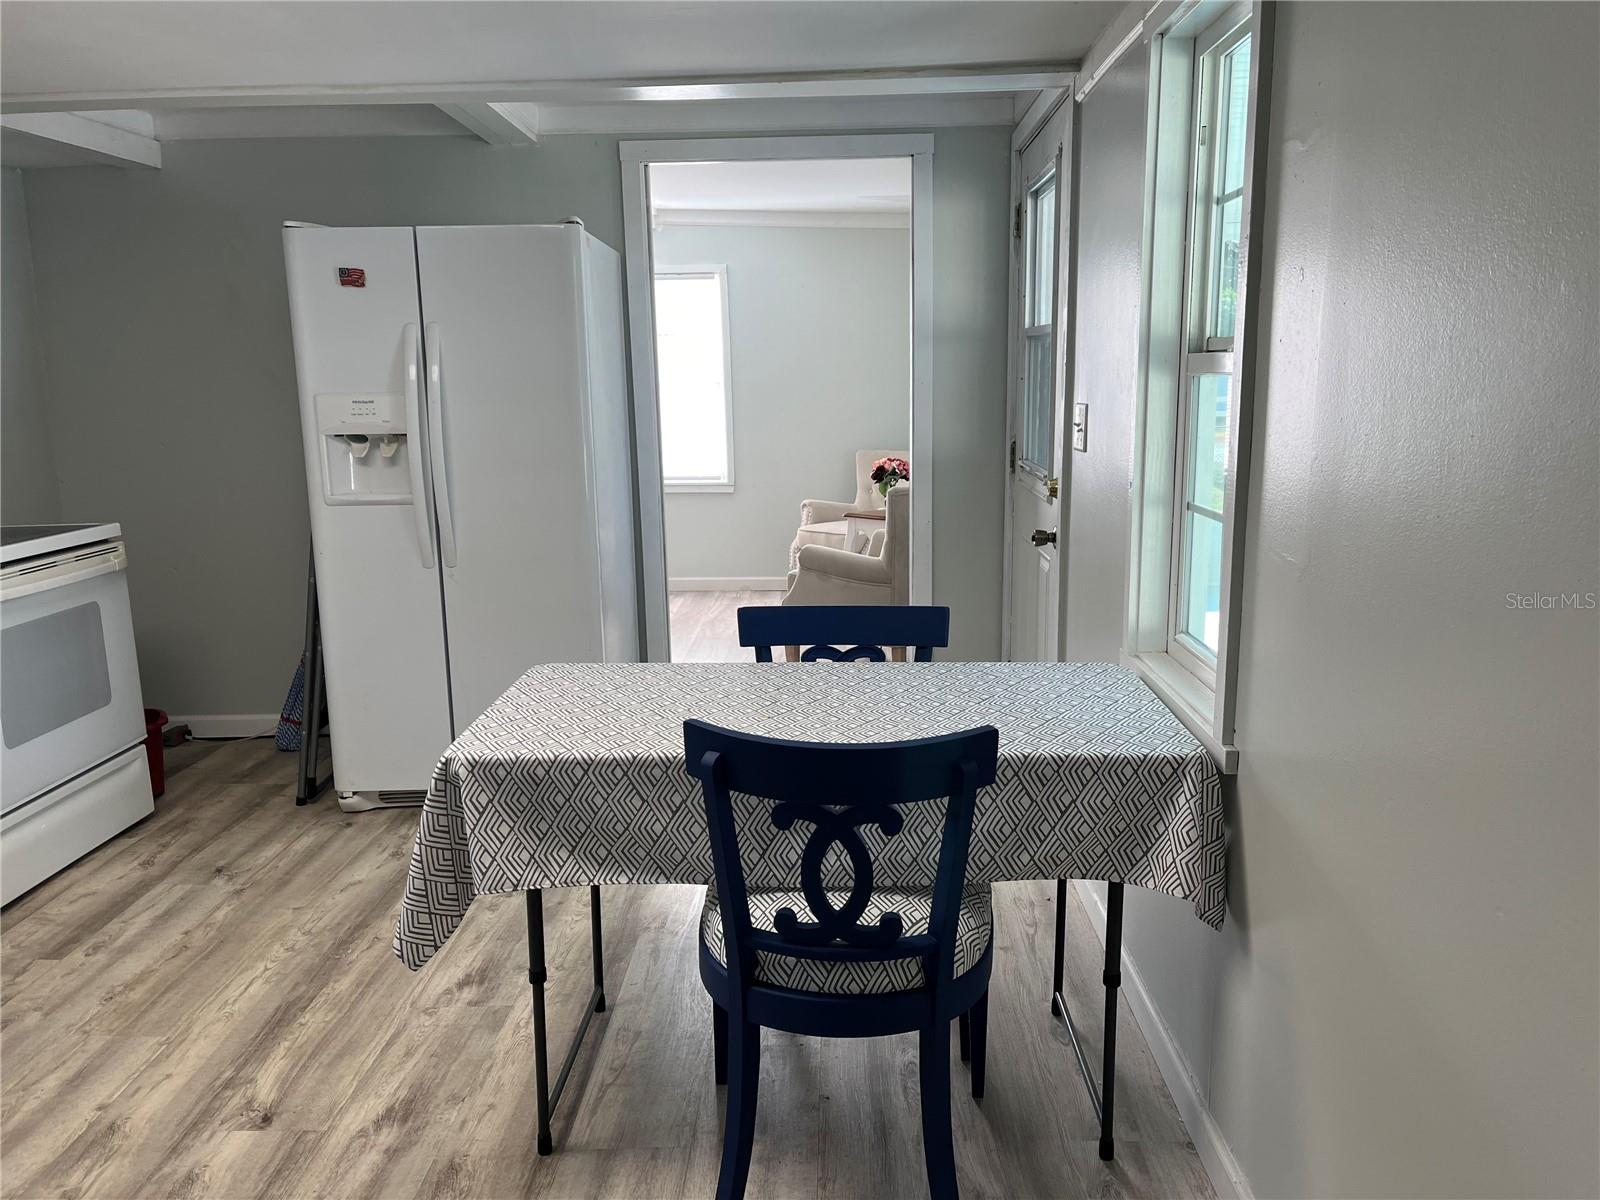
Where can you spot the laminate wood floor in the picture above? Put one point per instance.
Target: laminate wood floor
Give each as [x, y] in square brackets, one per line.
[207, 1006]
[705, 624]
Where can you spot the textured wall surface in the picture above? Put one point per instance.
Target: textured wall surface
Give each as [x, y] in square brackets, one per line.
[29, 494]
[1404, 1001]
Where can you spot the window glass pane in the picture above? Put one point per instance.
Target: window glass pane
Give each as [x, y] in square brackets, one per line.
[1035, 448]
[1207, 456]
[690, 378]
[1042, 244]
[1034, 445]
[1201, 602]
[1236, 103]
[1227, 200]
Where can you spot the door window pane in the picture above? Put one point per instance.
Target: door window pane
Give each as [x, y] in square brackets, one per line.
[1035, 442]
[1042, 240]
[1036, 401]
[691, 378]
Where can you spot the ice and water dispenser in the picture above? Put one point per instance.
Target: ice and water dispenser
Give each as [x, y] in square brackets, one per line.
[364, 454]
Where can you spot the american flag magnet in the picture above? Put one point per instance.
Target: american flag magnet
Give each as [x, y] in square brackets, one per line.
[352, 277]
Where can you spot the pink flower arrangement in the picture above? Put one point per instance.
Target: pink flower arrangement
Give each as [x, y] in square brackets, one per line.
[887, 472]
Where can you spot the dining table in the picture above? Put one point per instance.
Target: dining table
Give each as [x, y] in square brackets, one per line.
[575, 777]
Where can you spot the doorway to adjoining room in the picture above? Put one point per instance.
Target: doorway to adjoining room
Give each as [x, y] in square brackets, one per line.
[782, 305]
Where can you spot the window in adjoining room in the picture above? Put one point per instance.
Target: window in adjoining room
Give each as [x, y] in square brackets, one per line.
[692, 379]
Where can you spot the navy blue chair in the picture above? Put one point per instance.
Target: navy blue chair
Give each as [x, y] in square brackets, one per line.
[844, 632]
[817, 949]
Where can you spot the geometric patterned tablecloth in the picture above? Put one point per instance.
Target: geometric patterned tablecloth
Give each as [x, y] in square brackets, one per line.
[575, 776]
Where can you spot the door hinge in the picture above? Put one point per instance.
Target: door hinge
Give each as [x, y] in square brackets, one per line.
[1016, 221]
[1013, 456]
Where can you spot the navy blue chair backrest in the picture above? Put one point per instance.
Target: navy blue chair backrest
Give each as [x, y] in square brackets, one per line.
[844, 632]
[837, 789]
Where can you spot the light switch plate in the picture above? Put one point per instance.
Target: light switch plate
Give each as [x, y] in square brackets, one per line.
[1080, 427]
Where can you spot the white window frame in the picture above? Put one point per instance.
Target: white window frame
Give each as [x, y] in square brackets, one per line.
[1202, 354]
[724, 482]
[1174, 348]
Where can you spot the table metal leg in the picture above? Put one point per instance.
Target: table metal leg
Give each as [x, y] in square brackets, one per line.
[545, 1096]
[1056, 1002]
[1103, 1097]
[595, 944]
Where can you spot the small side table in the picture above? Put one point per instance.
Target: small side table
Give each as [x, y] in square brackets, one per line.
[860, 526]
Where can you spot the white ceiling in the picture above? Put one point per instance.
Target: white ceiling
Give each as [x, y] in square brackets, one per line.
[78, 52]
[859, 185]
[334, 68]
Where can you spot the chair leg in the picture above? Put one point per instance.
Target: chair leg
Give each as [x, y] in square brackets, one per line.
[980, 1041]
[937, 1146]
[739, 1124]
[964, 1029]
[719, 1041]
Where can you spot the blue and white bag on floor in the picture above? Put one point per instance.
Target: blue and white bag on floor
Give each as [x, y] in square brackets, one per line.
[294, 710]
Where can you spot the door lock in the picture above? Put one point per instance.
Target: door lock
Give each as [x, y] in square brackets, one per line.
[1043, 537]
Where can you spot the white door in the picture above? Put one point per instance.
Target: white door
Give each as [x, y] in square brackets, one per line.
[357, 338]
[508, 403]
[1039, 311]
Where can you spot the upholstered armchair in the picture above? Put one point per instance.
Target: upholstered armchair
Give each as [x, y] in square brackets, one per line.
[822, 522]
[881, 575]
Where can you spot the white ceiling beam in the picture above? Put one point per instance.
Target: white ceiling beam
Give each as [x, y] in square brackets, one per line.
[777, 116]
[498, 124]
[115, 143]
[987, 80]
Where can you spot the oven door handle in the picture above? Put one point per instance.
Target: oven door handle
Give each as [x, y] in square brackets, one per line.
[22, 581]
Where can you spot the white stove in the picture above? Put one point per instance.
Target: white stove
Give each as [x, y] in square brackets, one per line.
[31, 541]
[71, 708]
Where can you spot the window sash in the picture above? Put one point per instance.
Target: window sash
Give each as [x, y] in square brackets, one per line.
[1208, 198]
[1205, 354]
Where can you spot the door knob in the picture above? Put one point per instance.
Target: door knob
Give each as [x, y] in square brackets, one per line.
[1044, 537]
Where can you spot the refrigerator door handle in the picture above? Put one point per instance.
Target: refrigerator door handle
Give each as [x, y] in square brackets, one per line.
[415, 454]
[441, 475]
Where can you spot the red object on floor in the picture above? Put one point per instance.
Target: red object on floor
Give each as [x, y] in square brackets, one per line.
[155, 720]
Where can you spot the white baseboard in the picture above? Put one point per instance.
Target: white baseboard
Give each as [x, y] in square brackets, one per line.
[728, 583]
[1227, 1177]
[228, 725]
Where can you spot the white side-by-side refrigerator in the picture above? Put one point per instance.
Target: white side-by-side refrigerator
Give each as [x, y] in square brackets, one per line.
[464, 415]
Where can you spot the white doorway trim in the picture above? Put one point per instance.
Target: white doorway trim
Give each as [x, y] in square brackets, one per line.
[636, 159]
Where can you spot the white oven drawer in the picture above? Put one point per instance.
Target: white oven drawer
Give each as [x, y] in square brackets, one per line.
[61, 826]
[69, 678]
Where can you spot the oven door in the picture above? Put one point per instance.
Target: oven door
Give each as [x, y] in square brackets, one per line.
[69, 677]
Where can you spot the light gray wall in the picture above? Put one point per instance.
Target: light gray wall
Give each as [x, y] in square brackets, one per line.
[1404, 999]
[29, 494]
[164, 328]
[971, 263]
[820, 325]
